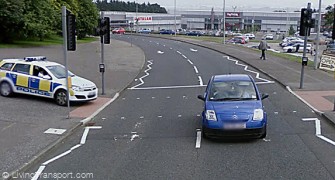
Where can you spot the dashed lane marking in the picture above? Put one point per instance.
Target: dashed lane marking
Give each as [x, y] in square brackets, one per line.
[195, 69]
[198, 140]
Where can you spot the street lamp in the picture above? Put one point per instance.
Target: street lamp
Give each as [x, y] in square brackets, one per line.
[316, 59]
[175, 19]
[224, 22]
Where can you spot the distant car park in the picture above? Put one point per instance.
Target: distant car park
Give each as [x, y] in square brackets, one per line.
[166, 31]
[193, 33]
[144, 31]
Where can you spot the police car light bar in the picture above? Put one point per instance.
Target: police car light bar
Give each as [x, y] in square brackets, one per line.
[35, 58]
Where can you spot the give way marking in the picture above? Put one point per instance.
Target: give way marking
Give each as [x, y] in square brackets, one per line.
[318, 130]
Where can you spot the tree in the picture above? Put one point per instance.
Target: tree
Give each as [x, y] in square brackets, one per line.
[12, 20]
[329, 17]
[87, 18]
[291, 31]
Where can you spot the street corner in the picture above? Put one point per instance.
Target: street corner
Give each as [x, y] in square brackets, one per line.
[89, 108]
[320, 100]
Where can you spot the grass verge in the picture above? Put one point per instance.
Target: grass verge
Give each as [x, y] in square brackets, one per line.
[53, 40]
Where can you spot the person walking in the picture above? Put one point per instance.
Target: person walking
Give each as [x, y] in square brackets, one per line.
[263, 46]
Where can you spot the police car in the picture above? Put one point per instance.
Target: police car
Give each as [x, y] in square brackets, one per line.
[39, 77]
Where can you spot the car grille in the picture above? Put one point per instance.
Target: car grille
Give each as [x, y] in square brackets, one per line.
[90, 89]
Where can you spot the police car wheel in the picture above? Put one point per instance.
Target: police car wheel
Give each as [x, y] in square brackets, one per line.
[61, 98]
[5, 89]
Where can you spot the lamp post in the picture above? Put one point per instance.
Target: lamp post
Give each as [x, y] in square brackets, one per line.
[175, 18]
[224, 22]
[316, 59]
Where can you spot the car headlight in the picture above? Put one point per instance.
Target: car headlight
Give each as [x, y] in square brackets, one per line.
[77, 88]
[258, 115]
[210, 115]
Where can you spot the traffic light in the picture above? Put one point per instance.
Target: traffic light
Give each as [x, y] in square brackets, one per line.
[71, 31]
[333, 34]
[107, 35]
[306, 22]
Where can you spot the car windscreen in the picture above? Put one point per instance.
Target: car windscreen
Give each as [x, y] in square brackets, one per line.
[58, 71]
[232, 91]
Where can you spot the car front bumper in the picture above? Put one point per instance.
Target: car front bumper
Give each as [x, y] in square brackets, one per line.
[236, 133]
[84, 96]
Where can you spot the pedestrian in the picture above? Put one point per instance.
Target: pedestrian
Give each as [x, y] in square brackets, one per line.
[263, 46]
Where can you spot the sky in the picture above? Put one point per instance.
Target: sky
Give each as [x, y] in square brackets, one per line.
[240, 5]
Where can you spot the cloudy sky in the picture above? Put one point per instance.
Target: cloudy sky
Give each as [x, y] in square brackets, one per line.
[241, 5]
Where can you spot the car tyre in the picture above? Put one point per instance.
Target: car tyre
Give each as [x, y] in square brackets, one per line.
[264, 134]
[204, 133]
[61, 97]
[289, 50]
[6, 89]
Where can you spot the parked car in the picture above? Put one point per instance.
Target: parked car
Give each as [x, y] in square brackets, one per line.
[166, 31]
[250, 36]
[233, 108]
[237, 40]
[193, 33]
[118, 31]
[268, 37]
[293, 48]
[38, 77]
[144, 31]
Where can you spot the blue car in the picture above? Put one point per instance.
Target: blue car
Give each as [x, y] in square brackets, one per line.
[233, 108]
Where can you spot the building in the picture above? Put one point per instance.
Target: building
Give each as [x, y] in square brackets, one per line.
[208, 20]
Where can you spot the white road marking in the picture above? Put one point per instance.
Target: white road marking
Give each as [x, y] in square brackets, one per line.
[198, 141]
[82, 141]
[294, 111]
[178, 52]
[171, 48]
[198, 115]
[123, 98]
[168, 87]
[196, 69]
[138, 98]
[184, 56]
[152, 97]
[146, 74]
[55, 131]
[193, 50]
[266, 140]
[168, 97]
[179, 116]
[157, 43]
[133, 137]
[142, 117]
[160, 116]
[190, 61]
[164, 45]
[276, 112]
[160, 52]
[246, 69]
[122, 118]
[318, 130]
[200, 81]
[38, 173]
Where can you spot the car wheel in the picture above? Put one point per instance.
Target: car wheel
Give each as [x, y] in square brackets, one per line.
[61, 97]
[5, 89]
[204, 133]
[264, 134]
[289, 50]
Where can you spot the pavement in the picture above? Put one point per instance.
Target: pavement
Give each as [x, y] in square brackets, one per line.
[23, 140]
[318, 90]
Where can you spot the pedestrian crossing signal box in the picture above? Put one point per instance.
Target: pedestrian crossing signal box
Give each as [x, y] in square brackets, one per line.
[304, 61]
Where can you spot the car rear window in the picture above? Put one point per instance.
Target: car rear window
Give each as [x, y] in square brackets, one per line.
[7, 66]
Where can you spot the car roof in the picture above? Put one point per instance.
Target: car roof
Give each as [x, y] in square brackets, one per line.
[231, 77]
[37, 63]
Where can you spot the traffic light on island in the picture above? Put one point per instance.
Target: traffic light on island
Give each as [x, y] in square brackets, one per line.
[306, 22]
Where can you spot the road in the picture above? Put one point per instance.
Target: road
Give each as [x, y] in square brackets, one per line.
[150, 131]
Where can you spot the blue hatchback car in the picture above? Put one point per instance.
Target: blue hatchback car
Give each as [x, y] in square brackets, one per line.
[233, 108]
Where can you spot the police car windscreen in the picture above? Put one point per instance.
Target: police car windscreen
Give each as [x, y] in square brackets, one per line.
[58, 71]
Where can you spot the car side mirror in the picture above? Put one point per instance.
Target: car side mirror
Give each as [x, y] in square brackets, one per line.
[201, 97]
[264, 96]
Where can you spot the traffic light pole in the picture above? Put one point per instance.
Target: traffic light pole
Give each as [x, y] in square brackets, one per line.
[102, 58]
[304, 54]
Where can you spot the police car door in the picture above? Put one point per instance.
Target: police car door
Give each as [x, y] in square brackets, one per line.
[40, 82]
[20, 77]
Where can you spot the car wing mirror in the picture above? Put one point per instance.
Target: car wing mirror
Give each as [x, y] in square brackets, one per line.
[201, 97]
[265, 95]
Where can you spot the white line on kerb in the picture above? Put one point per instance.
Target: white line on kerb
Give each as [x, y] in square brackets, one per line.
[196, 69]
[198, 141]
[200, 81]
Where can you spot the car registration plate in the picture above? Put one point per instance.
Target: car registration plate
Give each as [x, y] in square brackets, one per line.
[91, 94]
[234, 126]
